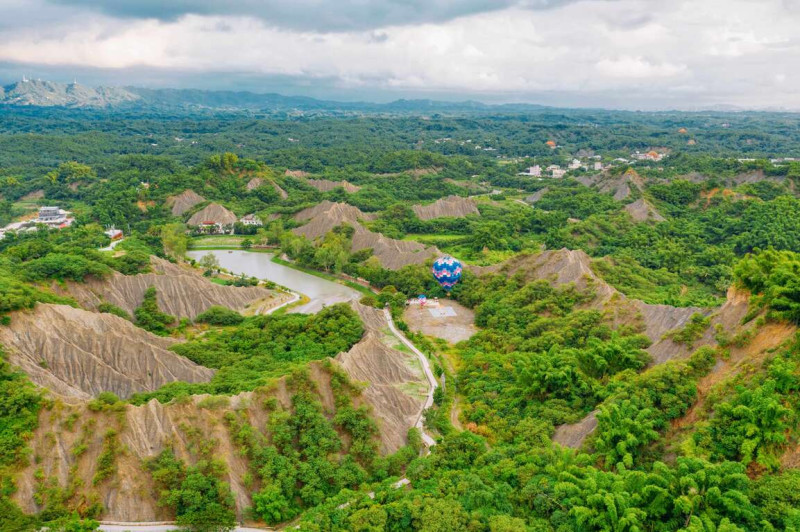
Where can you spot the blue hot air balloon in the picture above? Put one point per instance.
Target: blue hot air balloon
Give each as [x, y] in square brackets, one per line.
[447, 271]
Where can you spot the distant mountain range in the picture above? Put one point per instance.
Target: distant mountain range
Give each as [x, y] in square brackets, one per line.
[48, 94]
[37, 93]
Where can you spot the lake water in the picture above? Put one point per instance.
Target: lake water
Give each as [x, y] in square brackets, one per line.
[252, 264]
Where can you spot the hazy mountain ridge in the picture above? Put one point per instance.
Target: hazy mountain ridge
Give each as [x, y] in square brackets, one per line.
[38, 93]
[48, 93]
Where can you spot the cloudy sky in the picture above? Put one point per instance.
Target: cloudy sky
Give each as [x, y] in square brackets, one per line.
[639, 54]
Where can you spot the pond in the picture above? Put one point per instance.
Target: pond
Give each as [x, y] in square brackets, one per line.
[254, 264]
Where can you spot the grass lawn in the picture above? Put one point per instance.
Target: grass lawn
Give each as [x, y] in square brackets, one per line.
[439, 237]
[212, 241]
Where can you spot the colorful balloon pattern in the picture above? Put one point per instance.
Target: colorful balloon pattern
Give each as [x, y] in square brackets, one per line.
[447, 271]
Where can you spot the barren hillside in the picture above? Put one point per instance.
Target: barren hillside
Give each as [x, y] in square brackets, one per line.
[214, 212]
[641, 211]
[619, 186]
[397, 384]
[325, 216]
[144, 431]
[181, 292]
[184, 201]
[258, 181]
[393, 254]
[77, 354]
[448, 207]
[536, 196]
[396, 388]
[326, 185]
[655, 321]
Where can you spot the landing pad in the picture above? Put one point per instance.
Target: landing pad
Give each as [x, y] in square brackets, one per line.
[444, 319]
[442, 312]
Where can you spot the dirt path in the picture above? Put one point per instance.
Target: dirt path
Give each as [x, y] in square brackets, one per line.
[426, 367]
[112, 245]
[294, 297]
[455, 412]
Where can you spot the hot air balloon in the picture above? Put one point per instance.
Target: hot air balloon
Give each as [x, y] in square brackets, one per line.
[447, 271]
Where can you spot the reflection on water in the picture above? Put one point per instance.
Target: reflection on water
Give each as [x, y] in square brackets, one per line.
[260, 265]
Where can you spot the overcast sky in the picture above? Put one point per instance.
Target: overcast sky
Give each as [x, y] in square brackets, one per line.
[640, 54]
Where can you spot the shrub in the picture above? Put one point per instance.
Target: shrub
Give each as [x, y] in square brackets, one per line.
[218, 315]
[113, 309]
[150, 318]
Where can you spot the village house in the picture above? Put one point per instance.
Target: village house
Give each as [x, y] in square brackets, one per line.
[53, 217]
[211, 228]
[535, 171]
[556, 171]
[651, 155]
[113, 233]
[251, 219]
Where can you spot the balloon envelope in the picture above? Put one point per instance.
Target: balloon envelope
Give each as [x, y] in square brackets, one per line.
[447, 271]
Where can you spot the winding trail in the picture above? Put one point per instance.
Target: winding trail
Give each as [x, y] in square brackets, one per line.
[112, 245]
[295, 297]
[426, 367]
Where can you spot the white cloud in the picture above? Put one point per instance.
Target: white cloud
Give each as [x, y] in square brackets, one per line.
[679, 53]
[637, 68]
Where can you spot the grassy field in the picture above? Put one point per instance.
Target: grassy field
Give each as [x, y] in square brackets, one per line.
[216, 241]
[433, 237]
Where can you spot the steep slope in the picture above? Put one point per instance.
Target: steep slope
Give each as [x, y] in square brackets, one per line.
[654, 321]
[536, 196]
[396, 389]
[325, 216]
[447, 207]
[78, 354]
[213, 212]
[618, 186]
[326, 185]
[393, 254]
[258, 181]
[181, 292]
[143, 432]
[184, 201]
[397, 384]
[641, 211]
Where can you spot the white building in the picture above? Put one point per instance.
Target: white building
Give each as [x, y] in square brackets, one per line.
[558, 173]
[652, 155]
[251, 219]
[535, 171]
[598, 166]
[113, 233]
[53, 217]
[575, 164]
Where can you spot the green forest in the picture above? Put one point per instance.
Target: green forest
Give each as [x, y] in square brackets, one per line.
[695, 429]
